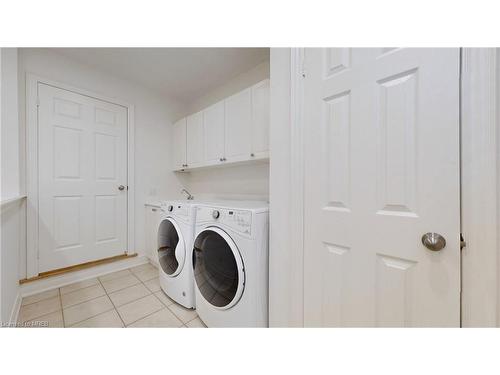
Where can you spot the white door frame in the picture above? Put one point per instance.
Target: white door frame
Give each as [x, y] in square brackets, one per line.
[32, 82]
[286, 251]
[480, 180]
[480, 185]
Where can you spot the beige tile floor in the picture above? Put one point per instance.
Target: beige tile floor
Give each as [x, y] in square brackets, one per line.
[128, 298]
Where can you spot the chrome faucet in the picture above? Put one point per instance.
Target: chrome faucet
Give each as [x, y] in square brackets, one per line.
[189, 196]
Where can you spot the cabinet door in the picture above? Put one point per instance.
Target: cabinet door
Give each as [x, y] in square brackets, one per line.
[152, 222]
[213, 127]
[179, 144]
[238, 126]
[195, 153]
[260, 120]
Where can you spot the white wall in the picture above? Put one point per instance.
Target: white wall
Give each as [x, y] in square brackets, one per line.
[238, 182]
[12, 212]
[153, 116]
[10, 125]
[12, 215]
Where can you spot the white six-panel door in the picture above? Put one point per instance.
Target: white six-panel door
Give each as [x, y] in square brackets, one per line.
[381, 170]
[82, 161]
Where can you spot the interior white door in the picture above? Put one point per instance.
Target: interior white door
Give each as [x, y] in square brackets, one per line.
[213, 124]
[195, 148]
[82, 161]
[381, 170]
[260, 120]
[179, 144]
[238, 141]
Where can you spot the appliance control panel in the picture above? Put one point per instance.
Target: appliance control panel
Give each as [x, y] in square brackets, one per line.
[177, 209]
[238, 220]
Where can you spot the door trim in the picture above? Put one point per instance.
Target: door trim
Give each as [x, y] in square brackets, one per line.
[286, 250]
[32, 81]
[480, 191]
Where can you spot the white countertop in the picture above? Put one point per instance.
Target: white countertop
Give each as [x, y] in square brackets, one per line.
[155, 203]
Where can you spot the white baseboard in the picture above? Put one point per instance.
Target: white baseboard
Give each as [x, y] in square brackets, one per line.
[15, 309]
[42, 285]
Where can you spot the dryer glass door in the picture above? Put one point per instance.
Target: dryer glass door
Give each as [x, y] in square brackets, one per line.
[218, 268]
[171, 247]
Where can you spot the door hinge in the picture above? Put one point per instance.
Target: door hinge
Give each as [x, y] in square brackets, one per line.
[462, 241]
[37, 101]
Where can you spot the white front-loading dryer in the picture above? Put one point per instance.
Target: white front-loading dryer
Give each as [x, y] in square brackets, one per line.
[230, 262]
[175, 244]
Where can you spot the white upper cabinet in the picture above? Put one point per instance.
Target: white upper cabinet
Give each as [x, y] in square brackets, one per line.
[233, 130]
[213, 127]
[195, 143]
[260, 120]
[179, 144]
[238, 126]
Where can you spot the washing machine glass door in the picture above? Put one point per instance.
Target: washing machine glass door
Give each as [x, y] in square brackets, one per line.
[218, 268]
[171, 247]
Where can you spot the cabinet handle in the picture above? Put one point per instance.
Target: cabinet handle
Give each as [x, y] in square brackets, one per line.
[154, 209]
[252, 154]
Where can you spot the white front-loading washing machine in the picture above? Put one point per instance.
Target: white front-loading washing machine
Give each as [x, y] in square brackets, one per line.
[230, 263]
[175, 245]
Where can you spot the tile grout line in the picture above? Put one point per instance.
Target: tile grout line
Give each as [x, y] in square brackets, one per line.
[145, 316]
[43, 314]
[84, 320]
[107, 295]
[197, 316]
[140, 282]
[153, 294]
[80, 290]
[59, 293]
[174, 303]
[76, 290]
[62, 310]
[44, 299]
[115, 308]
[177, 316]
[117, 290]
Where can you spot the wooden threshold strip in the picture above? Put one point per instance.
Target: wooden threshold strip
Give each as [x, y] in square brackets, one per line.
[77, 267]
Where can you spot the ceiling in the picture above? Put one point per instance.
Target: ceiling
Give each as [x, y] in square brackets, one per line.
[182, 74]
